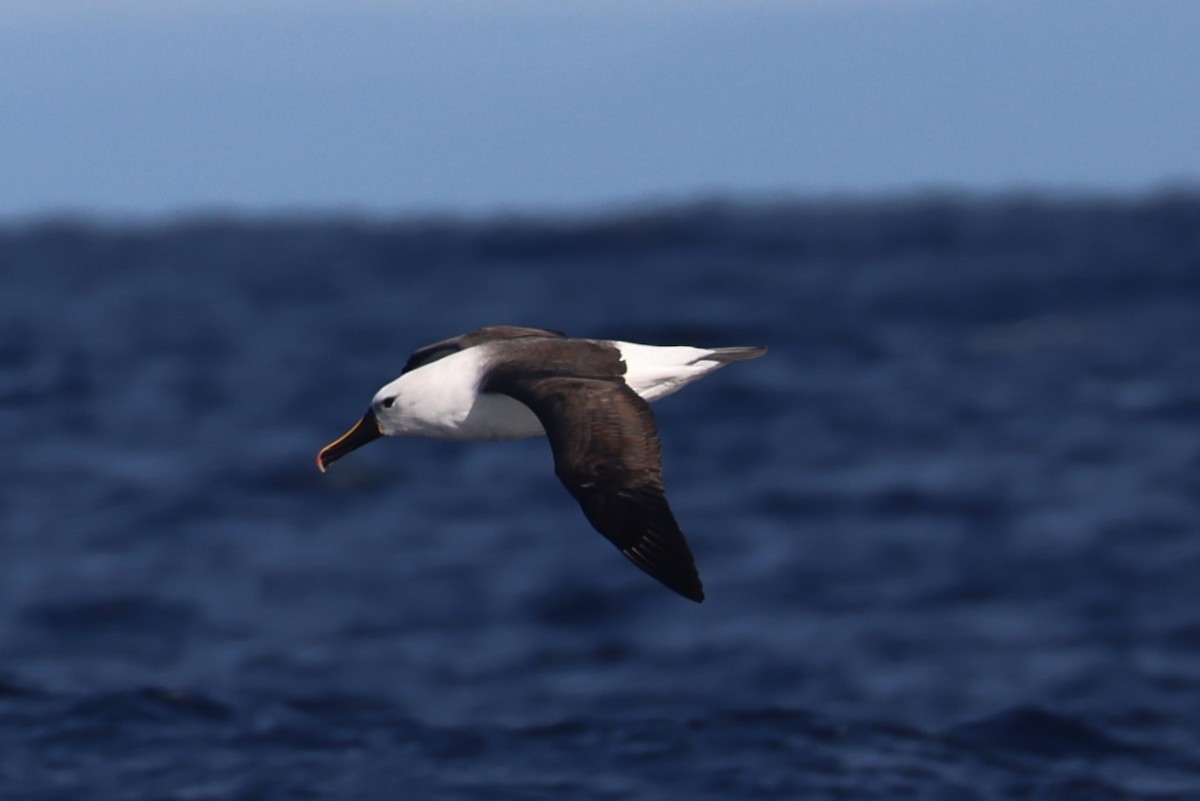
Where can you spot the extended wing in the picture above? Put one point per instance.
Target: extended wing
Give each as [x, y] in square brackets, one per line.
[607, 454]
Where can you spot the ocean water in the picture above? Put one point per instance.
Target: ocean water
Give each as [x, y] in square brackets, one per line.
[949, 527]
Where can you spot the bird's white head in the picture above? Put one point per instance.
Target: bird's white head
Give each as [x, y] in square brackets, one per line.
[432, 401]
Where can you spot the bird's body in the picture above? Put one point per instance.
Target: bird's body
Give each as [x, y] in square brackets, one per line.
[589, 396]
[442, 399]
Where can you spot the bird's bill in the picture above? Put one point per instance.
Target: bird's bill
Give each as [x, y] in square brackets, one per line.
[363, 432]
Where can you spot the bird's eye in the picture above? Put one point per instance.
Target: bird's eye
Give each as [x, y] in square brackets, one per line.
[389, 402]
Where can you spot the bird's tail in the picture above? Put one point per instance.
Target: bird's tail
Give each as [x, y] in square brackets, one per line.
[727, 355]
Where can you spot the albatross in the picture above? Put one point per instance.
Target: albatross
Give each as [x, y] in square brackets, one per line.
[590, 397]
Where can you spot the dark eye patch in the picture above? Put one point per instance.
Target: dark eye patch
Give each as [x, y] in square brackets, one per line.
[389, 402]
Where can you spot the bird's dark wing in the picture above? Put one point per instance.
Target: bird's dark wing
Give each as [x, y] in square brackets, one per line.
[606, 452]
[431, 353]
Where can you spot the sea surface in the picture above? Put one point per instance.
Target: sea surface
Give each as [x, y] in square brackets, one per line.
[949, 527]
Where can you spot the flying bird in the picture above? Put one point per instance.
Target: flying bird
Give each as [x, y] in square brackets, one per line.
[590, 397]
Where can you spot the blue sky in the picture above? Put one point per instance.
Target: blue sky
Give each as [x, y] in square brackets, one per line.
[160, 107]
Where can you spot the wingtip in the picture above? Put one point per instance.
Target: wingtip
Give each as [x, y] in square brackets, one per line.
[692, 590]
[675, 573]
[689, 587]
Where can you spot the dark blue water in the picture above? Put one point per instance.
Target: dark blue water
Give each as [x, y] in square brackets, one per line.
[949, 527]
